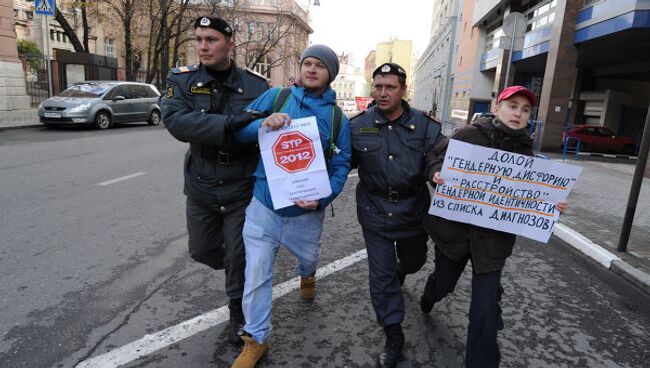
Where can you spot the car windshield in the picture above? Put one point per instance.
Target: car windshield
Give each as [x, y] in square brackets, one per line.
[86, 90]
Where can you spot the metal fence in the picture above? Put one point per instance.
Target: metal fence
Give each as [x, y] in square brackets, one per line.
[37, 91]
[36, 80]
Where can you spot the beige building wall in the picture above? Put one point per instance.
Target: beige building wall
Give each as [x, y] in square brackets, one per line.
[283, 62]
[396, 51]
[12, 80]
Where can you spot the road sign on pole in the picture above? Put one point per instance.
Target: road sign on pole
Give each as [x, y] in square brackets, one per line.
[45, 7]
[514, 27]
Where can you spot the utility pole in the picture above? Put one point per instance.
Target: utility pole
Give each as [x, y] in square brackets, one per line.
[637, 180]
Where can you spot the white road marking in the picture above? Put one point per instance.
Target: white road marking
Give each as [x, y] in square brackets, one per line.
[171, 335]
[127, 177]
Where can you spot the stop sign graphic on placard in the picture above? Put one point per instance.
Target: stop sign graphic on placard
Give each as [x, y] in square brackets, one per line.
[293, 152]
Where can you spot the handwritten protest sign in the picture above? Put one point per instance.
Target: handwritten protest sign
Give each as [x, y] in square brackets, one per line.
[294, 163]
[502, 190]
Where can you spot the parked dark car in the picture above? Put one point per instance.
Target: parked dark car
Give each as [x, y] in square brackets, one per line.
[102, 104]
[596, 138]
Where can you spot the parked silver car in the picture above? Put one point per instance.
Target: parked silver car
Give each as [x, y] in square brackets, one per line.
[102, 104]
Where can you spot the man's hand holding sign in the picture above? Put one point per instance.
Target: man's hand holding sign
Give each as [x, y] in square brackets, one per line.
[295, 166]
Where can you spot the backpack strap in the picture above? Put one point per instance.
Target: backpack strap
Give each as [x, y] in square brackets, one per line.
[280, 101]
[337, 120]
[281, 98]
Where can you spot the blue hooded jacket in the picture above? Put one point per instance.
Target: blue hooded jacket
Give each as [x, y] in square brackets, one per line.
[302, 104]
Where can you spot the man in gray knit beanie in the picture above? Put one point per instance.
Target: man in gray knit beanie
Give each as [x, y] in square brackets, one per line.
[326, 55]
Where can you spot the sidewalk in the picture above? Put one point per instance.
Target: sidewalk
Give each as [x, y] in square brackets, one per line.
[594, 220]
[592, 224]
[19, 119]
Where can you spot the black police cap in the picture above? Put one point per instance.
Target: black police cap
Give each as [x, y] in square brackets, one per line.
[390, 68]
[217, 24]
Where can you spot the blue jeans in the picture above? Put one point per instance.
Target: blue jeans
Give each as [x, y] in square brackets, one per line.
[264, 231]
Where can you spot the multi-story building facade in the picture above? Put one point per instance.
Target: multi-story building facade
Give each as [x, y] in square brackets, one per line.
[433, 71]
[350, 83]
[396, 51]
[270, 36]
[588, 60]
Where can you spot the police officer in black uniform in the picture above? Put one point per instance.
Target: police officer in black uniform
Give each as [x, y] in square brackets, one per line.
[203, 105]
[390, 141]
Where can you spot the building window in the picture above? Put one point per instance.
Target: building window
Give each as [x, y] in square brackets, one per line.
[109, 47]
[262, 67]
[29, 14]
[51, 35]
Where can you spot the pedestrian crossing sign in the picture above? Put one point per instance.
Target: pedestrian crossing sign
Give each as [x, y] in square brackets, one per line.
[45, 7]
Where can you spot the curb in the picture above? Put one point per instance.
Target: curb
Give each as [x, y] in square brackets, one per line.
[603, 257]
[21, 126]
[609, 155]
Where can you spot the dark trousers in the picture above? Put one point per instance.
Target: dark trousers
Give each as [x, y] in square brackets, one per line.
[215, 239]
[484, 310]
[383, 256]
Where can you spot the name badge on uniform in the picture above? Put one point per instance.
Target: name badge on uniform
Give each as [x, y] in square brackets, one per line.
[368, 131]
[200, 90]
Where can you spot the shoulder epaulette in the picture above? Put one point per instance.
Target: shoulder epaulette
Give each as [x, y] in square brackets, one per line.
[432, 118]
[256, 74]
[357, 115]
[185, 69]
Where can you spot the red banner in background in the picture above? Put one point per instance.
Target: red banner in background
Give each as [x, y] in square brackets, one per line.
[362, 102]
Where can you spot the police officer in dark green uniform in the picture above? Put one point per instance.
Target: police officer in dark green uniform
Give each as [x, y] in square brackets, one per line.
[204, 105]
[389, 144]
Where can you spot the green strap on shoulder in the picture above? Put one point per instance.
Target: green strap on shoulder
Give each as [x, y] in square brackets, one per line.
[283, 97]
[280, 102]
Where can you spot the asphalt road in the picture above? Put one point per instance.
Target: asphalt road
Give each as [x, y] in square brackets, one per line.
[89, 268]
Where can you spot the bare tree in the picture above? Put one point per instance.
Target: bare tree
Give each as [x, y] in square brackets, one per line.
[168, 24]
[259, 32]
[126, 11]
[264, 35]
[69, 31]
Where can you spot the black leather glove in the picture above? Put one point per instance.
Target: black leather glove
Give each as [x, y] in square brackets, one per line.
[238, 121]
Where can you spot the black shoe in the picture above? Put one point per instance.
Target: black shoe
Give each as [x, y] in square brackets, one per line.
[237, 322]
[392, 353]
[426, 304]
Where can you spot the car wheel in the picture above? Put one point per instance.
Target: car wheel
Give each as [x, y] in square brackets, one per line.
[103, 120]
[154, 118]
[628, 149]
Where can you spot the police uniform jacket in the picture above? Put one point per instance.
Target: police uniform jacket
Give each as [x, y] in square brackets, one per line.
[218, 171]
[488, 248]
[392, 195]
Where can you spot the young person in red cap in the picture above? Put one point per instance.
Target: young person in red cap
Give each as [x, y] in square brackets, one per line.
[456, 242]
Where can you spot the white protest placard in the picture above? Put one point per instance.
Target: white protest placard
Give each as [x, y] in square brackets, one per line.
[294, 163]
[502, 190]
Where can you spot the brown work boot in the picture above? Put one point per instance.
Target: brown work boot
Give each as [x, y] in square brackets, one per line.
[251, 353]
[308, 286]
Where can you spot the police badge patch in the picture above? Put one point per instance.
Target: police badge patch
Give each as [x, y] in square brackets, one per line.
[170, 91]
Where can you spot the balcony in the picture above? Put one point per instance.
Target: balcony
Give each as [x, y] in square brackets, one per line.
[611, 16]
